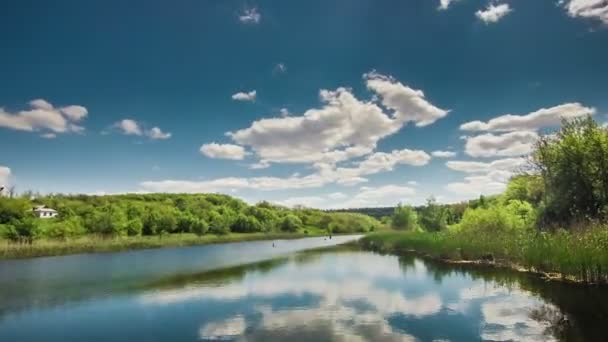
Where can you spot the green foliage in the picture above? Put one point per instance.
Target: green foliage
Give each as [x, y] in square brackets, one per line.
[433, 217]
[573, 164]
[405, 218]
[246, 224]
[291, 223]
[529, 188]
[163, 214]
[63, 229]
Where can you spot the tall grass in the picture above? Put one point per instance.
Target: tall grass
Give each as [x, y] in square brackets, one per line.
[579, 256]
[95, 243]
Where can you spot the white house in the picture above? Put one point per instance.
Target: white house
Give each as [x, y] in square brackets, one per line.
[44, 212]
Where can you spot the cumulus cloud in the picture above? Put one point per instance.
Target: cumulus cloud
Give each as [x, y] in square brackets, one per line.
[493, 13]
[43, 116]
[445, 4]
[132, 127]
[250, 16]
[381, 196]
[5, 174]
[157, 133]
[242, 96]
[223, 151]
[344, 128]
[544, 117]
[324, 174]
[129, 127]
[443, 154]
[507, 164]
[504, 145]
[485, 177]
[408, 104]
[595, 9]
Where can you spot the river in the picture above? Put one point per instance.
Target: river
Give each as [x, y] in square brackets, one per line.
[294, 291]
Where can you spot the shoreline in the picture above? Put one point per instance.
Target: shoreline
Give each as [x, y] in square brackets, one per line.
[477, 263]
[96, 244]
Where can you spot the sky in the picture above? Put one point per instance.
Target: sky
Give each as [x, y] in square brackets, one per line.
[322, 103]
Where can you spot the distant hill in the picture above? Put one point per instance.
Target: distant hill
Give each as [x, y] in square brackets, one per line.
[373, 212]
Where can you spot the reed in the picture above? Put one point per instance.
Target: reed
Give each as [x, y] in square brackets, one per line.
[578, 256]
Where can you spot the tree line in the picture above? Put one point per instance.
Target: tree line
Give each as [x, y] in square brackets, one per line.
[160, 214]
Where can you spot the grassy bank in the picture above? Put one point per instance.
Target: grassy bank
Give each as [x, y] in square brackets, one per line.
[93, 243]
[581, 257]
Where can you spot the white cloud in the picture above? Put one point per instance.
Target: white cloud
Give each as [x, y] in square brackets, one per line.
[344, 128]
[284, 112]
[505, 145]
[443, 154]
[5, 174]
[324, 174]
[507, 164]
[306, 201]
[223, 151]
[129, 127]
[409, 104]
[74, 112]
[279, 68]
[493, 182]
[445, 4]
[337, 196]
[132, 127]
[250, 16]
[596, 9]
[242, 96]
[412, 183]
[157, 133]
[42, 116]
[486, 177]
[49, 135]
[544, 117]
[493, 13]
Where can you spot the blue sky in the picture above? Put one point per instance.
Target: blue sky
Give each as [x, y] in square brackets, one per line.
[325, 103]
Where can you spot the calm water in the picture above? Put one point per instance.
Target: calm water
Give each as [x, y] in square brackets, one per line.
[254, 292]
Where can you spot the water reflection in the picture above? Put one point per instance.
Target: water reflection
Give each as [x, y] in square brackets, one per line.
[331, 295]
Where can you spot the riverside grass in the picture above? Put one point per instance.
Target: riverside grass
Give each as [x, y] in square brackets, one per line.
[97, 244]
[571, 256]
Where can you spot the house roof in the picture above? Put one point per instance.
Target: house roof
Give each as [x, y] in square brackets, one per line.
[42, 208]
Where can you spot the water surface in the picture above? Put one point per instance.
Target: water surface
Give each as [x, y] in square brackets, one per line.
[254, 292]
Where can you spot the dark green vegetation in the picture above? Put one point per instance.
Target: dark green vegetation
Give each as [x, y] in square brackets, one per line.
[551, 219]
[104, 223]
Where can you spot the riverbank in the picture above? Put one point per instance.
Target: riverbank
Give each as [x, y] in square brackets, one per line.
[580, 258]
[97, 244]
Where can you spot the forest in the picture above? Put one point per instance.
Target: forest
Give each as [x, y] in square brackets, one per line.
[163, 214]
[550, 219]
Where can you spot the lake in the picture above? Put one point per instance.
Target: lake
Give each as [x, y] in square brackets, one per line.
[293, 291]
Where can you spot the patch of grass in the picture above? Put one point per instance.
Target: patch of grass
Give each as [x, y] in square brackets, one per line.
[579, 256]
[94, 243]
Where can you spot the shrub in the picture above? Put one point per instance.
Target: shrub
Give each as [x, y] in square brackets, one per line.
[291, 223]
[404, 218]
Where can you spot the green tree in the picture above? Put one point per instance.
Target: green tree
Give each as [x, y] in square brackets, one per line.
[291, 223]
[433, 217]
[404, 218]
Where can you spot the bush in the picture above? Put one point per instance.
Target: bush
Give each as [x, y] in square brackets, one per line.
[246, 224]
[404, 218]
[291, 223]
[63, 229]
[199, 227]
[135, 227]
